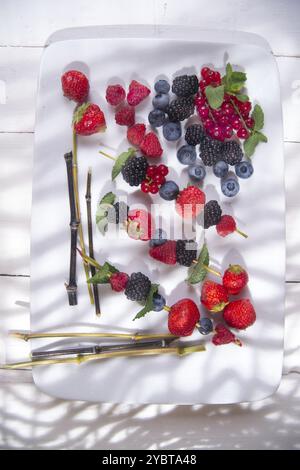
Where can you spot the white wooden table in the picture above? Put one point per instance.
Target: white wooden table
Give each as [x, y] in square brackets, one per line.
[30, 419]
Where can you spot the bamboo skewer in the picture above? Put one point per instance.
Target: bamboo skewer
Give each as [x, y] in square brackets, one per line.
[133, 336]
[88, 198]
[71, 287]
[78, 213]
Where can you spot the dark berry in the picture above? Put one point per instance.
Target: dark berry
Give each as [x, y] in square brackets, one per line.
[212, 214]
[162, 86]
[186, 155]
[156, 118]
[185, 85]
[244, 169]
[160, 237]
[160, 101]
[138, 287]
[180, 109]
[118, 213]
[232, 152]
[197, 172]
[172, 131]
[169, 190]
[210, 151]
[220, 169]
[194, 134]
[186, 252]
[205, 326]
[158, 302]
[134, 170]
[230, 185]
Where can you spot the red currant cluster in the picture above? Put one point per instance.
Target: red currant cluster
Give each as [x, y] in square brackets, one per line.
[155, 177]
[232, 116]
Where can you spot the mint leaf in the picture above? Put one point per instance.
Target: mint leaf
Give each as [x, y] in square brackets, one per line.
[108, 198]
[120, 161]
[148, 307]
[258, 117]
[238, 77]
[262, 137]
[250, 144]
[197, 273]
[103, 274]
[241, 97]
[229, 70]
[215, 95]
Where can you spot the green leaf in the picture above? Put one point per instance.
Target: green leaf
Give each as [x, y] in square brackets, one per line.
[237, 77]
[258, 116]
[120, 161]
[229, 70]
[215, 95]
[241, 97]
[108, 198]
[148, 307]
[250, 144]
[197, 273]
[103, 274]
[262, 137]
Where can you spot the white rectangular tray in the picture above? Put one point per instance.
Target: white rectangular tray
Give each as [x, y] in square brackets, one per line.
[224, 374]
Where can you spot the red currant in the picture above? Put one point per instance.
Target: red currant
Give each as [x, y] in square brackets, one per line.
[208, 123]
[200, 101]
[145, 187]
[159, 179]
[227, 109]
[228, 131]
[163, 170]
[249, 122]
[242, 133]
[203, 112]
[217, 114]
[217, 132]
[203, 84]
[205, 72]
[154, 188]
[215, 78]
[245, 108]
[224, 119]
[151, 170]
[235, 122]
[227, 97]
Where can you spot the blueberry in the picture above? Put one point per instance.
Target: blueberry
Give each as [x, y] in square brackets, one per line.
[197, 172]
[156, 118]
[220, 169]
[162, 86]
[244, 169]
[230, 186]
[169, 190]
[158, 302]
[160, 237]
[187, 154]
[172, 131]
[160, 101]
[206, 326]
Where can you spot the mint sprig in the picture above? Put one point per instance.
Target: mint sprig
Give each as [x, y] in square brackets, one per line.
[148, 307]
[256, 136]
[198, 272]
[103, 274]
[120, 162]
[215, 95]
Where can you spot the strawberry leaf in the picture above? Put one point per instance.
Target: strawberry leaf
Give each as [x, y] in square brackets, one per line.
[215, 95]
[197, 272]
[120, 161]
[258, 117]
[103, 274]
[148, 307]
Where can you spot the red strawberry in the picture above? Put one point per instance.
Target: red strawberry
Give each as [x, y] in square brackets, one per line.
[165, 253]
[88, 119]
[224, 336]
[115, 94]
[118, 281]
[125, 116]
[140, 225]
[75, 85]
[214, 296]
[150, 146]
[190, 202]
[183, 317]
[136, 133]
[239, 314]
[235, 279]
[137, 93]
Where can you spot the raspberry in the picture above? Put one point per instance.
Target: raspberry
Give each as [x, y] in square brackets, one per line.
[232, 152]
[165, 253]
[136, 133]
[137, 93]
[190, 202]
[210, 151]
[138, 287]
[115, 94]
[125, 116]
[186, 252]
[134, 170]
[224, 336]
[180, 109]
[194, 134]
[185, 85]
[75, 85]
[150, 146]
[118, 213]
[118, 281]
[212, 214]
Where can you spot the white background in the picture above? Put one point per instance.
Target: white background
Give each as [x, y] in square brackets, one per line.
[33, 420]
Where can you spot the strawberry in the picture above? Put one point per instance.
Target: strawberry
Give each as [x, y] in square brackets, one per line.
[235, 279]
[136, 133]
[88, 119]
[137, 93]
[190, 202]
[214, 296]
[140, 225]
[118, 281]
[183, 317]
[239, 314]
[165, 253]
[75, 85]
[115, 94]
[150, 146]
[125, 116]
[224, 336]
[226, 225]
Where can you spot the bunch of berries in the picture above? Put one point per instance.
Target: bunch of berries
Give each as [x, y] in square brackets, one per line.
[155, 178]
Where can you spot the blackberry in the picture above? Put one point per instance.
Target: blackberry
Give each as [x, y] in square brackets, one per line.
[118, 213]
[212, 214]
[138, 287]
[194, 134]
[180, 109]
[185, 85]
[232, 152]
[186, 252]
[134, 170]
[210, 151]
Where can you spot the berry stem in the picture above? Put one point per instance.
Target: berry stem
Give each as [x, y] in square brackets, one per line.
[107, 155]
[166, 308]
[78, 214]
[209, 269]
[238, 342]
[241, 233]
